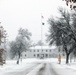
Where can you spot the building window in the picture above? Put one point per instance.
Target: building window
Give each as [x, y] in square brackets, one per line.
[46, 55]
[25, 55]
[37, 50]
[46, 50]
[50, 55]
[34, 55]
[37, 55]
[59, 50]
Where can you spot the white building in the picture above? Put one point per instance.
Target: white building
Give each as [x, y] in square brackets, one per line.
[41, 52]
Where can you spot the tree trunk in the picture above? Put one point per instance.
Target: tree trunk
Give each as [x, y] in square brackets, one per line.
[18, 57]
[17, 61]
[67, 58]
[74, 59]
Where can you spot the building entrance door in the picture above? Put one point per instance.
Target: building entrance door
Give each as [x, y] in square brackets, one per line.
[42, 55]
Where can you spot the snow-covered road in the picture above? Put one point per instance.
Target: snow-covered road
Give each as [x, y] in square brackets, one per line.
[39, 67]
[42, 69]
[46, 70]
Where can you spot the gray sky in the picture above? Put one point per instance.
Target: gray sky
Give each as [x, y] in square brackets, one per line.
[27, 14]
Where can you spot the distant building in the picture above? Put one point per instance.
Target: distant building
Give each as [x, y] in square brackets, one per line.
[41, 52]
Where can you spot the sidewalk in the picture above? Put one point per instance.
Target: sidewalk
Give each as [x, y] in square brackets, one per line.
[63, 69]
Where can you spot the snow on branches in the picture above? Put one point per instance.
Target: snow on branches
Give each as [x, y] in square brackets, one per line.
[72, 3]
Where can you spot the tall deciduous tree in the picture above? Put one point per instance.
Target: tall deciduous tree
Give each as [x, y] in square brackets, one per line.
[62, 33]
[21, 43]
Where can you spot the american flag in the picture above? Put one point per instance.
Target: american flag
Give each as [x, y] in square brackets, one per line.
[42, 18]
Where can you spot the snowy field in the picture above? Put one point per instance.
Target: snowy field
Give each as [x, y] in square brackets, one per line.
[36, 66]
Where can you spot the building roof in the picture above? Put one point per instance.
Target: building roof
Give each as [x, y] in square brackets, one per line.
[43, 47]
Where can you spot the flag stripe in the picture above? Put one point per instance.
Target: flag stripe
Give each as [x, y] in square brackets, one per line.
[43, 23]
[42, 16]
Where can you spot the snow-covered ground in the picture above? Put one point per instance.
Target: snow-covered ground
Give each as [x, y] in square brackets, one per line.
[11, 66]
[71, 65]
[33, 66]
[64, 69]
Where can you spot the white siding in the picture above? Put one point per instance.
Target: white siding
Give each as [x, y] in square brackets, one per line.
[37, 52]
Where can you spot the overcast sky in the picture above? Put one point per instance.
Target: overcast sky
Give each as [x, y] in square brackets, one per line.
[27, 14]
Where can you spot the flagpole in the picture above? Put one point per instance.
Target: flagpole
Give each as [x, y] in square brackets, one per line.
[41, 31]
[42, 23]
[41, 37]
